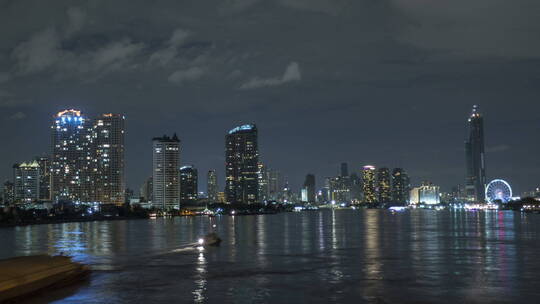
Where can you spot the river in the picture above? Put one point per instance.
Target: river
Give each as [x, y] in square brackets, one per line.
[351, 256]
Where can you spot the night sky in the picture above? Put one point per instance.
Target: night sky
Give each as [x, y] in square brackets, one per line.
[383, 82]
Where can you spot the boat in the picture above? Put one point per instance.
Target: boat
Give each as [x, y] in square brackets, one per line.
[210, 239]
[25, 276]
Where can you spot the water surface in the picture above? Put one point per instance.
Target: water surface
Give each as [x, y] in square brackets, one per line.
[367, 256]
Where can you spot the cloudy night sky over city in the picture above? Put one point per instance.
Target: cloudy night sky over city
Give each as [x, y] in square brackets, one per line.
[389, 83]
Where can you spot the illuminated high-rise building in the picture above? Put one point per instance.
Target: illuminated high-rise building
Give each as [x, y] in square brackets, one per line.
[476, 164]
[72, 157]
[383, 185]
[188, 185]
[241, 165]
[8, 193]
[212, 186]
[368, 180]
[308, 190]
[400, 186]
[26, 177]
[44, 177]
[166, 173]
[108, 156]
[263, 183]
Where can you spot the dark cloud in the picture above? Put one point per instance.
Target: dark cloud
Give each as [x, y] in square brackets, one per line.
[385, 82]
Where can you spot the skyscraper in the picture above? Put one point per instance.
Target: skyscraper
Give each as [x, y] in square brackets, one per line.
[44, 177]
[344, 169]
[475, 155]
[212, 186]
[368, 180]
[188, 185]
[400, 186]
[71, 157]
[8, 195]
[242, 159]
[26, 178]
[263, 183]
[166, 173]
[146, 190]
[274, 183]
[383, 185]
[308, 190]
[108, 150]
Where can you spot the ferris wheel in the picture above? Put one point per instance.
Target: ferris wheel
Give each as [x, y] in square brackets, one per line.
[498, 190]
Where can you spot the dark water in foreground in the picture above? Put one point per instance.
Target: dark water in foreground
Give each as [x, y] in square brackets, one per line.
[370, 256]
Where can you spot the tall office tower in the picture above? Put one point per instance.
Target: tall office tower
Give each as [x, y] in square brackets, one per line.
[188, 185]
[263, 183]
[400, 186]
[476, 163]
[146, 190]
[274, 183]
[166, 174]
[356, 188]
[383, 185]
[344, 169]
[44, 177]
[212, 186]
[26, 185]
[308, 191]
[8, 193]
[71, 157]
[368, 180]
[108, 166]
[242, 159]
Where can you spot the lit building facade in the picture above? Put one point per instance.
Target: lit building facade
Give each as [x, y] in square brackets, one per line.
[146, 191]
[108, 166]
[368, 181]
[475, 183]
[212, 186]
[8, 193]
[263, 183]
[383, 185]
[26, 178]
[166, 173]
[308, 190]
[72, 159]
[241, 168]
[400, 186]
[188, 185]
[427, 194]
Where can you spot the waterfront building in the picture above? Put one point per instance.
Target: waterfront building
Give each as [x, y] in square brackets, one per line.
[241, 169]
[212, 186]
[427, 194]
[108, 156]
[400, 186]
[262, 176]
[383, 185]
[188, 185]
[274, 183]
[44, 178]
[355, 183]
[368, 180]
[221, 197]
[166, 174]
[72, 158]
[8, 193]
[146, 190]
[475, 156]
[308, 190]
[26, 177]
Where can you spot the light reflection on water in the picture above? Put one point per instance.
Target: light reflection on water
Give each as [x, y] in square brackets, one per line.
[366, 256]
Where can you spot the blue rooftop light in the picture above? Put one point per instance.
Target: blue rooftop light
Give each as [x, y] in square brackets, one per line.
[242, 128]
